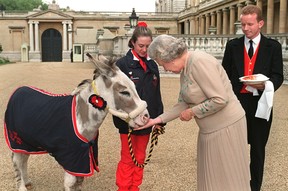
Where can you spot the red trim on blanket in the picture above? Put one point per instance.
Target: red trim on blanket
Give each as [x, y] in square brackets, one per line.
[5, 127]
[46, 92]
[92, 162]
[81, 174]
[92, 165]
[91, 155]
[18, 150]
[74, 121]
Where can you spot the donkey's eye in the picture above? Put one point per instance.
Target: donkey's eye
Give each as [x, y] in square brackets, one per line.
[125, 93]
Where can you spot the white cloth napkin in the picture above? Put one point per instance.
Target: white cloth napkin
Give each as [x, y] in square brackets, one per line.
[253, 90]
[265, 102]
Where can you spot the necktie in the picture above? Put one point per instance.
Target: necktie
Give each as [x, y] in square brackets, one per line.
[250, 51]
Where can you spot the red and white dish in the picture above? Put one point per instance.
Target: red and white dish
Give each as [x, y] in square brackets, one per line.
[254, 79]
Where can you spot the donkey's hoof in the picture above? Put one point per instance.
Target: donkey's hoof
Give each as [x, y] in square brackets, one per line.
[29, 186]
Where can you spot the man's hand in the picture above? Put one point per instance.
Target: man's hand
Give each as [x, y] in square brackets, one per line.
[260, 86]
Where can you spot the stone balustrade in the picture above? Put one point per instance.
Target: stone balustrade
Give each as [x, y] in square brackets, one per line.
[213, 44]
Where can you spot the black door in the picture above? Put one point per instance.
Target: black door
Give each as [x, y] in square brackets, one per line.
[51, 46]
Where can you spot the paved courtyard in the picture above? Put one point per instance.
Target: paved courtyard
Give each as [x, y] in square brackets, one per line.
[173, 163]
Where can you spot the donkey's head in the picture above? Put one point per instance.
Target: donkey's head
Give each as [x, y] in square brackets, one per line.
[119, 92]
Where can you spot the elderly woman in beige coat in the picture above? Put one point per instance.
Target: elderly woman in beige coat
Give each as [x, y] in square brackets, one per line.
[206, 95]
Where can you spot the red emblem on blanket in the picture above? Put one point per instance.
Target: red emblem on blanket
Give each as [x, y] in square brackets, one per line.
[97, 102]
[15, 137]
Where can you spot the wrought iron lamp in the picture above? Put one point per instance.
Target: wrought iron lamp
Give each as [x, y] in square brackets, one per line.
[133, 19]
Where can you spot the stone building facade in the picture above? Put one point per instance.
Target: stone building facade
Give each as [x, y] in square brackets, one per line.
[202, 16]
[170, 5]
[51, 35]
[206, 24]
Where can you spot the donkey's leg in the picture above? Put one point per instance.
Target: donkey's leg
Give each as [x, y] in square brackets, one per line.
[79, 183]
[72, 183]
[20, 168]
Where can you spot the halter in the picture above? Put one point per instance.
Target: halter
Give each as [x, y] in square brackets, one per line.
[122, 114]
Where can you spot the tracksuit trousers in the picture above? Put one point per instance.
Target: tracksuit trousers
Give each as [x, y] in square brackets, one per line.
[128, 175]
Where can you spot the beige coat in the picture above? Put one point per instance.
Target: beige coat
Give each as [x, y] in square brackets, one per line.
[222, 148]
[206, 88]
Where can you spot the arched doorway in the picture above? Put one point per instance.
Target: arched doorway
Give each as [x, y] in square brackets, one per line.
[51, 46]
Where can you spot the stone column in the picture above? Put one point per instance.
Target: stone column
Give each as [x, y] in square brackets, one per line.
[202, 29]
[192, 26]
[70, 36]
[192, 2]
[31, 36]
[36, 36]
[249, 2]
[232, 20]
[238, 28]
[207, 23]
[64, 23]
[239, 8]
[212, 30]
[186, 27]
[259, 3]
[197, 26]
[225, 21]
[213, 19]
[188, 3]
[282, 16]
[219, 22]
[270, 15]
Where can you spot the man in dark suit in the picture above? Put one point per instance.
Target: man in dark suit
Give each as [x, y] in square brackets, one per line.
[266, 58]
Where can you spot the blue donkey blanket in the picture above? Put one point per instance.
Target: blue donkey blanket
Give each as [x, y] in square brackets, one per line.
[39, 122]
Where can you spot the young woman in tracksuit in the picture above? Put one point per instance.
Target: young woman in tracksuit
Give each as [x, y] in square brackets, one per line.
[145, 74]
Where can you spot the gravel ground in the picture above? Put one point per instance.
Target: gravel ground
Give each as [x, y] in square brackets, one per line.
[173, 162]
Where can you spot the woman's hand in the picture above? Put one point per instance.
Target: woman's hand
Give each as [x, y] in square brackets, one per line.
[186, 115]
[150, 123]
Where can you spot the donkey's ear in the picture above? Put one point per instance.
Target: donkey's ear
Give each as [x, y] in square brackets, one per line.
[93, 60]
[104, 66]
[103, 59]
[114, 59]
[101, 63]
[109, 59]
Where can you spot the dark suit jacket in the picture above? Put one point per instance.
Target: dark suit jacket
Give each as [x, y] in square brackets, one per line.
[269, 62]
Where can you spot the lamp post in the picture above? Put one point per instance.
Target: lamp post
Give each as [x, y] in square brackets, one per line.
[133, 19]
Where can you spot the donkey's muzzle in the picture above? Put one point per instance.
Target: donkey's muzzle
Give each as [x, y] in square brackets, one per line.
[144, 118]
[139, 116]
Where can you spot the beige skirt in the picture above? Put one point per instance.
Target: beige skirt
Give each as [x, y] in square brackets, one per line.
[223, 159]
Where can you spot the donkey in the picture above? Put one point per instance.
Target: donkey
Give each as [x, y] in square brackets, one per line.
[66, 126]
